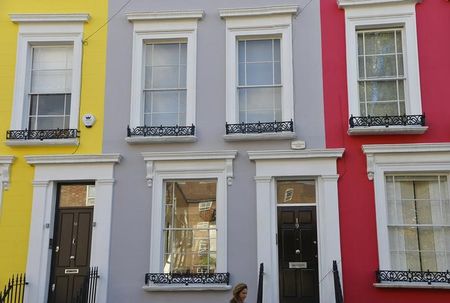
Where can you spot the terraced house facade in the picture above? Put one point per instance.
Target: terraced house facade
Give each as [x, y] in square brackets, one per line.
[56, 185]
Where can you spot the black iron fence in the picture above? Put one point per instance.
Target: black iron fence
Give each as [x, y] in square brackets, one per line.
[259, 127]
[14, 290]
[413, 276]
[403, 120]
[187, 278]
[161, 131]
[259, 298]
[337, 284]
[42, 134]
[88, 291]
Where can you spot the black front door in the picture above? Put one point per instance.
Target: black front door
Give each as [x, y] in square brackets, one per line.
[297, 254]
[72, 243]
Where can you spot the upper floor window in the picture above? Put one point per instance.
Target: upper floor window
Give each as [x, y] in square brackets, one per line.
[48, 78]
[163, 81]
[165, 84]
[50, 88]
[259, 73]
[259, 80]
[383, 79]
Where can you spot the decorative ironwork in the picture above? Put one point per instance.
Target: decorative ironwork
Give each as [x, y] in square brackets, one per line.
[188, 278]
[42, 134]
[413, 276]
[259, 127]
[387, 121]
[14, 290]
[88, 291]
[259, 297]
[161, 131]
[337, 284]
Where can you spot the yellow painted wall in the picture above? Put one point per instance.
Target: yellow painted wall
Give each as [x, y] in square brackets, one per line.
[15, 213]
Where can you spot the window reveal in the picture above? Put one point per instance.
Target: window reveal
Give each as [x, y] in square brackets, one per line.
[190, 230]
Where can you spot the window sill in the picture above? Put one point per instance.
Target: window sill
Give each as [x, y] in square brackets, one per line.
[411, 285]
[263, 136]
[63, 142]
[163, 139]
[383, 130]
[199, 287]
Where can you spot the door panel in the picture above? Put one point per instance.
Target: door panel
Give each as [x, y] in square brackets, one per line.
[72, 244]
[297, 253]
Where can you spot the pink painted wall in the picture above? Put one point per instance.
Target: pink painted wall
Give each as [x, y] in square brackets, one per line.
[356, 193]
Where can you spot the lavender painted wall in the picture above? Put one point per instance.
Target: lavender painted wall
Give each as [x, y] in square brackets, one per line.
[131, 223]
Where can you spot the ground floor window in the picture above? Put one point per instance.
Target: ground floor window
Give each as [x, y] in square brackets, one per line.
[190, 226]
[418, 209]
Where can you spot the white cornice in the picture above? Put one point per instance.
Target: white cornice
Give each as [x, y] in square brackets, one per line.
[165, 15]
[189, 155]
[6, 159]
[352, 3]
[20, 18]
[259, 11]
[405, 148]
[72, 159]
[295, 154]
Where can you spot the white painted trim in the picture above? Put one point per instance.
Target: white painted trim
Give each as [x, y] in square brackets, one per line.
[384, 14]
[170, 288]
[21, 18]
[47, 33]
[259, 11]
[162, 167]
[350, 3]
[260, 25]
[391, 130]
[271, 165]
[399, 158]
[73, 159]
[255, 137]
[164, 139]
[157, 30]
[47, 173]
[165, 15]
[64, 142]
[411, 285]
[295, 154]
[5, 166]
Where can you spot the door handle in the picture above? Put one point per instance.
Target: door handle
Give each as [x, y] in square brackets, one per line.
[297, 251]
[53, 287]
[57, 249]
[296, 223]
[72, 257]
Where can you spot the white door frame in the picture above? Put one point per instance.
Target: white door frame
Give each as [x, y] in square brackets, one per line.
[49, 170]
[319, 164]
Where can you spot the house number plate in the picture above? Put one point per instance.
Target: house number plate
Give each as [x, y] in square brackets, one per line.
[72, 271]
[298, 264]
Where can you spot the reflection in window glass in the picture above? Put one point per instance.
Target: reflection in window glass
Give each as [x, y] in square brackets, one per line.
[296, 191]
[190, 231]
[418, 222]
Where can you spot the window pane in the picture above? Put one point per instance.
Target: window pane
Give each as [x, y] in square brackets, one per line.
[190, 226]
[381, 90]
[259, 50]
[165, 77]
[379, 43]
[51, 104]
[166, 54]
[381, 66]
[165, 108]
[259, 104]
[48, 123]
[260, 73]
[49, 111]
[299, 191]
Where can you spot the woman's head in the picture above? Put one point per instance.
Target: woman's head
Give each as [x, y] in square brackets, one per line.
[240, 292]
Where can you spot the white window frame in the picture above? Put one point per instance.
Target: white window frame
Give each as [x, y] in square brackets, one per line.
[386, 159]
[382, 14]
[262, 23]
[165, 166]
[167, 26]
[46, 29]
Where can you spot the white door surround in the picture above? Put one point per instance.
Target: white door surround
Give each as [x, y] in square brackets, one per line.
[49, 170]
[319, 164]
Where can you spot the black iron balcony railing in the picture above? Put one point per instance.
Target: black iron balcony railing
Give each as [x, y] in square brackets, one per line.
[404, 120]
[14, 290]
[187, 278]
[413, 276]
[337, 284]
[88, 291]
[161, 131]
[259, 127]
[42, 134]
